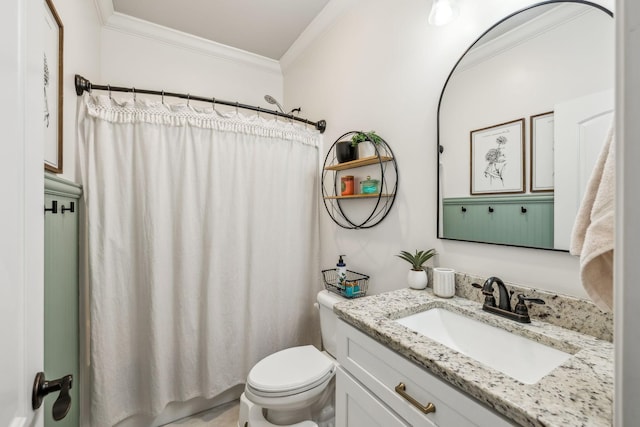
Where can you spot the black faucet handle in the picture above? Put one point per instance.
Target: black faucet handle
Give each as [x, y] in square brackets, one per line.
[521, 307]
[489, 299]
[522, 298]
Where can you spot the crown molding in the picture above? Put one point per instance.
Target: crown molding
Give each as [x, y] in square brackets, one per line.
[541, 24]
[126, 24]
[105, 10]
[320, 24]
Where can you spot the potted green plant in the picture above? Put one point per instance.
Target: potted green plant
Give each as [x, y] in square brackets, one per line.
[365, 142]
[417, 277]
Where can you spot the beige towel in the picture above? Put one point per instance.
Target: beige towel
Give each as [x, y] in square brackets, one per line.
[592, 237]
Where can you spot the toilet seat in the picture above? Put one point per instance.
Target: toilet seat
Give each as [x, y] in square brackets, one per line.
[290, 372]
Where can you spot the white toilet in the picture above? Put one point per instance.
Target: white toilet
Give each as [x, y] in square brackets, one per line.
[296, 385]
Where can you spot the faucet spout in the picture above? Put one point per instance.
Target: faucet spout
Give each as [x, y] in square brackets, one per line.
[505, 298]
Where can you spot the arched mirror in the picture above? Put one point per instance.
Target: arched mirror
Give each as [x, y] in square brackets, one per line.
[521, 121]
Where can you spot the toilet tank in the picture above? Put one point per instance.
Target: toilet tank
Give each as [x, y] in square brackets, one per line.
[328, 319]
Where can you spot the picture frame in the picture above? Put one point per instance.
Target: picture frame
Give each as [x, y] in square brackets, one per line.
[497, 159]
[542, 155]
[53, 36]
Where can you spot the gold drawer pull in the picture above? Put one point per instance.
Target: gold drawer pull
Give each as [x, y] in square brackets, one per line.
[401, 389]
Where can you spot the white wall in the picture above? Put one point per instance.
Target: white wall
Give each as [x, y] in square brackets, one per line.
[380, 66]
[81, 56]
[138, 54]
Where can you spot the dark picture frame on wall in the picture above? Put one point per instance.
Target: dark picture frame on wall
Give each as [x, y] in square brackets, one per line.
[53, 37]
[497, 159]
[541, 161]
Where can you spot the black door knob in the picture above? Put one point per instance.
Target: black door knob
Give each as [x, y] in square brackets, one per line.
[42, 387]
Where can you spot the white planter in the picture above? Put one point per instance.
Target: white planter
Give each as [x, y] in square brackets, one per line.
[444, 282]
[366, 149]
[417, 279]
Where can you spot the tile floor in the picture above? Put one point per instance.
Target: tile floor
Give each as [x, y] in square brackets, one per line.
[222, 416]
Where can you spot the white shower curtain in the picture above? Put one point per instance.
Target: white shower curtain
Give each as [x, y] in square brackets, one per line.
[202, 248]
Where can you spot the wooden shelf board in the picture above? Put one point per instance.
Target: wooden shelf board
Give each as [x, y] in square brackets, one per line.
[358, 163]
[359, 196]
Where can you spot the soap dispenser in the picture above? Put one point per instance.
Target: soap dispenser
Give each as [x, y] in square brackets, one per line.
[341, 271]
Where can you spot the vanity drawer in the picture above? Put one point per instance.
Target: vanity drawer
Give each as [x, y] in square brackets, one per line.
[381, 370]
[356, 407]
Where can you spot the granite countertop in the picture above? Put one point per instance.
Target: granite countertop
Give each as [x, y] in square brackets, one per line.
[577, 393]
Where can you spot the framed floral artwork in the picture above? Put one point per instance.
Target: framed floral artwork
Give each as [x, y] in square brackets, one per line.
[52, 82]
[497, 159]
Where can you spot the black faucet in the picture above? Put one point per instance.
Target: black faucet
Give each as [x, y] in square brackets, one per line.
[519, 314]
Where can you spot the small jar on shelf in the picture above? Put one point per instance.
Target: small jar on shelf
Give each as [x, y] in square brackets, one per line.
[370, 186]
[347, 185]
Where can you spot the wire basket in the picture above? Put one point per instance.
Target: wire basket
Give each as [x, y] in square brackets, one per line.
[354, 286]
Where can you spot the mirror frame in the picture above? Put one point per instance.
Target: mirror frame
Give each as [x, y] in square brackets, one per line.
[440, 148]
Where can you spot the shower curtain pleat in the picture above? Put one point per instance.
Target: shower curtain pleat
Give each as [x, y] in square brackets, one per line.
[202, 245]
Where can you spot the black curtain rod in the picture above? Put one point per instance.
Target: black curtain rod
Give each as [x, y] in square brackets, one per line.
[83, 85]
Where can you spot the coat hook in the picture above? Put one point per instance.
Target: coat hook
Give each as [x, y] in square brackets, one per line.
[163, 97]
[463, 209]
[490, 209]
[213, 103]
[71, 208]
[523, 209]
[54, 207]
[133, 89]
[237, 103]
[109, 89]
[188, 99]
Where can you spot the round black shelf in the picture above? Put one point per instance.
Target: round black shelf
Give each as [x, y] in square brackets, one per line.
[360, 211]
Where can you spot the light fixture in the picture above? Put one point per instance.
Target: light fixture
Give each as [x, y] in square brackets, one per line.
[442, 12]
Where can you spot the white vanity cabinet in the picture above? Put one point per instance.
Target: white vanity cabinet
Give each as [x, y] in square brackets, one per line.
[368, 391]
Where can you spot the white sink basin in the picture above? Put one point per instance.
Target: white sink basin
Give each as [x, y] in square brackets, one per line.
[520, 358]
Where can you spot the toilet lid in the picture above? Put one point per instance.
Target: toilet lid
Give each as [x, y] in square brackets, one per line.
[291, 371]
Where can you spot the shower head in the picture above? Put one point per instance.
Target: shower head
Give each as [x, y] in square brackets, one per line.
[271, 100]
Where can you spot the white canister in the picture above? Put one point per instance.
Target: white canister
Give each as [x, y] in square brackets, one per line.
[444, 282]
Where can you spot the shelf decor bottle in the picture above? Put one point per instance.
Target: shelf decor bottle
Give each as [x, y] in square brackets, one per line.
[341, 271]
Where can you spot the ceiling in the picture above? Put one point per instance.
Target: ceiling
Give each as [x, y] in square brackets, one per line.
[266, 28]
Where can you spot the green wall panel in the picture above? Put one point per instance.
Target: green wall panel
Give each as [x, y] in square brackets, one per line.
[468, 218]
[61, 301]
